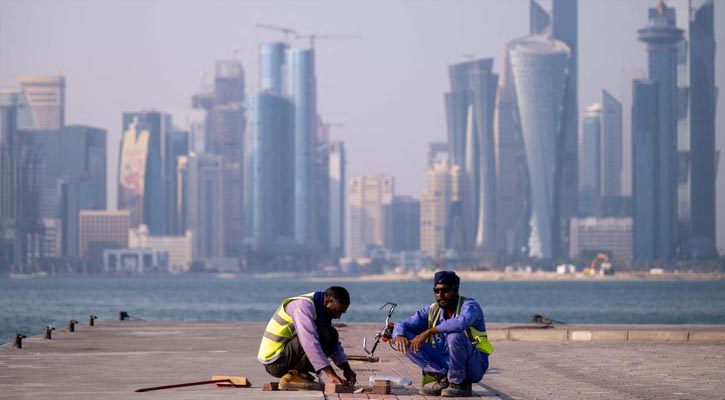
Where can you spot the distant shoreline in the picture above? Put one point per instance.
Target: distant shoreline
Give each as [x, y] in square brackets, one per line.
[524, 276]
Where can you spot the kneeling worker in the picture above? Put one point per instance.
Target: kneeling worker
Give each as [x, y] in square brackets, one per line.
[447, 340]
[299, 338]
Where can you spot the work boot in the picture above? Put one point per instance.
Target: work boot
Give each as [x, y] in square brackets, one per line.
[434, 388]
[295, 380]
[462, 389]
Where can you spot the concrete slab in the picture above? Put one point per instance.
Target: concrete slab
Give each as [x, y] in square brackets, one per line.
[113, 359]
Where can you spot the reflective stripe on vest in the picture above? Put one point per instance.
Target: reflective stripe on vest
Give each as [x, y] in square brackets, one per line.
[478, 338]
[280, 329]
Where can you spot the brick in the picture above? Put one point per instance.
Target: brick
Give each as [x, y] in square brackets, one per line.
[381, 389]
[335, 388]
[270, 386]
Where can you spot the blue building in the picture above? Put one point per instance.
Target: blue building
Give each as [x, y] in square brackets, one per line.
[273, 172]
[645, 164]
[661, 36]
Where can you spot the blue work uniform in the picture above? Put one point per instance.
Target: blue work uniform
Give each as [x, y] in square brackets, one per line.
[450, 352]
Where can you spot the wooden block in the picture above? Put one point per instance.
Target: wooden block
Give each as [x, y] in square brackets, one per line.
[235, 381]
[335, 388]
[270, 386]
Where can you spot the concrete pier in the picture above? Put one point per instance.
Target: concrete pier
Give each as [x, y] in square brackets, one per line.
[114, 358]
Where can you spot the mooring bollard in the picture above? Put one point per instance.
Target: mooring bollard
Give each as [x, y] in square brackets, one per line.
[48, 329]
[91, 320]
[122, 316]
[72, 325]
[18, 342]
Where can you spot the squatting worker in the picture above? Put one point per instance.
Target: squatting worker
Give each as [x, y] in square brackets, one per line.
[299, 339]
[447, 340]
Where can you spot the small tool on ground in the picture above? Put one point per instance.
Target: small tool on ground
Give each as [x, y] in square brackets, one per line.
[219, 380]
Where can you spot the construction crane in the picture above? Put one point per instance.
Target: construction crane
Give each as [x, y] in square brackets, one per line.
[285, 30]
[314, 36]
[601, 260]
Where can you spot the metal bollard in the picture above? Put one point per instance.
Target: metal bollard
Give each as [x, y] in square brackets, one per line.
[48, 329]
[72, 325]
[91, 320]
[18, 342]
[122, 316]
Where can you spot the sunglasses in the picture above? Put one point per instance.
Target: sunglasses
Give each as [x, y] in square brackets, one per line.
[442, 290]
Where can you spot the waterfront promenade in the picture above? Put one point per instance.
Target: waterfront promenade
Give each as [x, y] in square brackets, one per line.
[114, 358]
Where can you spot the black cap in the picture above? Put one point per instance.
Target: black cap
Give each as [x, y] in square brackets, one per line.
[448, 278]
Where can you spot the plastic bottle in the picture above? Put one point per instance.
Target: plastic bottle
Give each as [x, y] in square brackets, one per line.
[395, 381]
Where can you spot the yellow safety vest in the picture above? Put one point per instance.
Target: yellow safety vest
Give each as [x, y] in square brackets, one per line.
[280, 330]
[478, 338]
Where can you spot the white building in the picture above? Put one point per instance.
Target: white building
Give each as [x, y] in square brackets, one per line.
[602, 234]
[179, 248]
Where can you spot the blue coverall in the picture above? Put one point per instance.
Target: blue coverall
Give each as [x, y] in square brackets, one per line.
[452, 353]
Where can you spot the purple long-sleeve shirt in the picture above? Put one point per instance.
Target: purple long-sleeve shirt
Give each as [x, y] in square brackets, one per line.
[303, 316]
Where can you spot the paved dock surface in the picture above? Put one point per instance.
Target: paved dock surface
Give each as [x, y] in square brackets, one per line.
[113, 359]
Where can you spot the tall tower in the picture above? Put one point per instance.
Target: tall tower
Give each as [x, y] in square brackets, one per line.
[540, 67]
[513, 204]
[611, 168]
[337, 170]
[301, 89]
[272, 172]
[539, 19]
[201, 180]
[590, 165]
[46, 95]
[141, 169]
[661, 36]
[564, 29]
[703, 99]
[470, 111]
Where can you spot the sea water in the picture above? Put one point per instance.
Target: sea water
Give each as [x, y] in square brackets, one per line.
[28, 305]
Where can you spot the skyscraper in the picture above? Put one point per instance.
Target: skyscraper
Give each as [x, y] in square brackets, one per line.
[202, 180]
[46, 95]
[368, 198]
[435, 206]
[627, 76]
[14, 216]
[337, 171]
[177, 145]
[273, 172]
[225, 124]
[141, 169]
[301, 89]
[564, 28]
[513, 204]
[540, 67]
[539, 19]
[702, 105]
[405, 226]
[661, 36]
[611, 167]
[645, 165]
[590, 165]
[470, 110]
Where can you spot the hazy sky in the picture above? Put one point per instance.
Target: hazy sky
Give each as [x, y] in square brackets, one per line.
[385, 87]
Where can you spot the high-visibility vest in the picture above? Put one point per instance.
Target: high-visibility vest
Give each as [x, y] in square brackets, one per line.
[478, 338]
[280, 330]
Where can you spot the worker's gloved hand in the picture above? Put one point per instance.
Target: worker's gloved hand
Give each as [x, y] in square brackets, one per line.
[350, 375]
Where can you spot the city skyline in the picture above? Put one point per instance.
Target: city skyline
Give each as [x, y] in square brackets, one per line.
[381, 121]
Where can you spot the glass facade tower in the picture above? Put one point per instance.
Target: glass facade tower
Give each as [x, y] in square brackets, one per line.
[540, 67]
